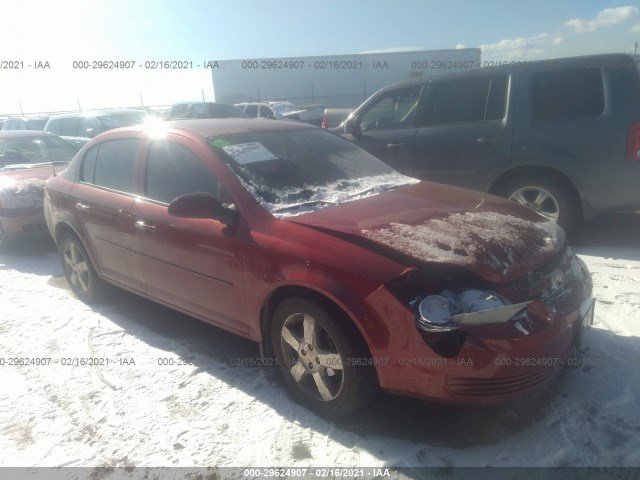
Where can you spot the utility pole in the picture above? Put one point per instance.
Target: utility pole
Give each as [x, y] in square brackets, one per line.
[635, 51]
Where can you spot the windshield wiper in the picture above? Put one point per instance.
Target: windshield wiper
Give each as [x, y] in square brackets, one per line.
[309, 203]
[378, 189]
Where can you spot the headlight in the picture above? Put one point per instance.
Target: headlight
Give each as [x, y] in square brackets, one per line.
[449, 311]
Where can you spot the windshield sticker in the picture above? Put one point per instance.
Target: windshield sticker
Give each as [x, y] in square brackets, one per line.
[246, 153]
[221, 143]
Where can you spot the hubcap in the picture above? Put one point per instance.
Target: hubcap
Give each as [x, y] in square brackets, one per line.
[76, 267]
[312, 357]
[539, 200]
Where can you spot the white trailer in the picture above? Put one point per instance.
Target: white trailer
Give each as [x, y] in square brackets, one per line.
[332, 80]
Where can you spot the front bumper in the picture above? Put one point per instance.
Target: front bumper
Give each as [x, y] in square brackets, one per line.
[14, 227]
[492, 364]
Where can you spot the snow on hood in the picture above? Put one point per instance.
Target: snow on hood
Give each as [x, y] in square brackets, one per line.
[503, 242]
[430, 223]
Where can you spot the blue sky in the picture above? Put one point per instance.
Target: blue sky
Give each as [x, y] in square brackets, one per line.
[60, 32]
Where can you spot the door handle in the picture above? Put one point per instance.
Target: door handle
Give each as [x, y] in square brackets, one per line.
[397, 145]
[82, 206]
[145, 226]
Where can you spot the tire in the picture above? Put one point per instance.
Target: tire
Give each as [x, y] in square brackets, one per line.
[78, 269]
[317, 357]
[548, 196]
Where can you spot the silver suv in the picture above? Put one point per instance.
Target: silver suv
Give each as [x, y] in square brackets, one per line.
[561, 136]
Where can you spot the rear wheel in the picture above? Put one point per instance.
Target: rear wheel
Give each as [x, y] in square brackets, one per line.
[325, 367]
[548, 196]
[81, 276]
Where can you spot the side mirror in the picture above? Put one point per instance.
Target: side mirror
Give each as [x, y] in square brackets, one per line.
[352, 125]
[202, 205]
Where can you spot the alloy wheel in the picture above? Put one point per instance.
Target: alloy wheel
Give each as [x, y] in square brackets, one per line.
[76, 267]
[538, 199]
[311, 355]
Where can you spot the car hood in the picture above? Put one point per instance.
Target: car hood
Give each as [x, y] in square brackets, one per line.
[432, 223]
[17, 181]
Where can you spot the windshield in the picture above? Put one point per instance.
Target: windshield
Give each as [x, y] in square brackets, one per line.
[297, 171]
[29, 151]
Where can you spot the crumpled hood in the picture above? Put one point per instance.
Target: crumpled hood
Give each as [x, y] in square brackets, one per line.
[492, 237]
[28, 179]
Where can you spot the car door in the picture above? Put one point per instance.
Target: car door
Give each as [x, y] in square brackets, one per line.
[103, 199]
[464, 134]
[386, 127]
[191, 264]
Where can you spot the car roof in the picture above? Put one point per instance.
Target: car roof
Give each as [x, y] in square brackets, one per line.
[603, 59]
[212, 127]
[24, 133]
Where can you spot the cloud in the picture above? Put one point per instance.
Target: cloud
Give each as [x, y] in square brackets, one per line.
[604, 18]
[635, 28]
[520, 47]
[558, 40]
[460, 46]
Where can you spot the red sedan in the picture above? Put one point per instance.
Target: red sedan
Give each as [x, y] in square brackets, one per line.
[352, 276]
[27, 159]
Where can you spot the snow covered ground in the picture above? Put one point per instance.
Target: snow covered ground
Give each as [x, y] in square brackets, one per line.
[141, 406]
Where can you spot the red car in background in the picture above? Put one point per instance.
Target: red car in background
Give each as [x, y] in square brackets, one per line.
[27, 159]
[353, 276]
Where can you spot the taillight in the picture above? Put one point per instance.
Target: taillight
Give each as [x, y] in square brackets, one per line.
[324, 118]
[633, 143]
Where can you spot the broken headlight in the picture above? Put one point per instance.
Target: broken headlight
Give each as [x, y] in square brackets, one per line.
[450, 310]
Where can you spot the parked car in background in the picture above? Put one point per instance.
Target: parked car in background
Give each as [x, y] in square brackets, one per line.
[257, 110]
[79, 128]
[183, 110]
[27, 159]
[561, 136]
[353, 275]
[24, 123]
[311, 114]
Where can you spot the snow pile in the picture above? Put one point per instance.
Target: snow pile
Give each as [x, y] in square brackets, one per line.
[172, 391]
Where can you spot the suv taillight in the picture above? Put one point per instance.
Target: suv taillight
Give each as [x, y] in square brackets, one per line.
[324, 119]
[633, 143]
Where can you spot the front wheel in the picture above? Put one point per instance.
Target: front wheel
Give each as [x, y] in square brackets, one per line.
[547, 196]
[81, 276]
[325, 367]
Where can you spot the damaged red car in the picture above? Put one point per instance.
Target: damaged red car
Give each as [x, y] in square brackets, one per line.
[353, 277]
[27, 159]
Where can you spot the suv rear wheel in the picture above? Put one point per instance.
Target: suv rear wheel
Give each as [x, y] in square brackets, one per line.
[546, 195]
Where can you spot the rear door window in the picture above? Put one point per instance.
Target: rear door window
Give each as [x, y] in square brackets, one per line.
[569, 93]
[465, 100]
[111, 164]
